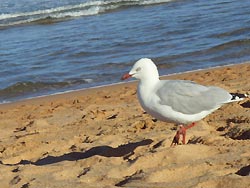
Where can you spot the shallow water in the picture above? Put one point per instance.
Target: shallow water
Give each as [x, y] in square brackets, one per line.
[48, 47]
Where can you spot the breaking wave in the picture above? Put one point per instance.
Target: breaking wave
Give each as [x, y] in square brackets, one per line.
[65, 12]
[32, 88]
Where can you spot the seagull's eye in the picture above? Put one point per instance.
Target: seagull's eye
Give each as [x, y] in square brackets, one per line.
[138, 69]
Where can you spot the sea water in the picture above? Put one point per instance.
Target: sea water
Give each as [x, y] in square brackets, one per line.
[49, 46]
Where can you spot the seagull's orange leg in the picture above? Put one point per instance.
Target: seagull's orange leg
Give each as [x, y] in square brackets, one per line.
[181, 131]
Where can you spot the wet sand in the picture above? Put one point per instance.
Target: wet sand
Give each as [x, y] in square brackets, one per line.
[102, 138]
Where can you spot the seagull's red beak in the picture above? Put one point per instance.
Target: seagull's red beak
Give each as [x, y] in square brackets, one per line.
[126, 76]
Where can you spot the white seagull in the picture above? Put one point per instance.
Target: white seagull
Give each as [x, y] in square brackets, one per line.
[177, 101]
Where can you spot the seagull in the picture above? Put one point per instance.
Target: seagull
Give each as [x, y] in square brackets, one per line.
[178, 101]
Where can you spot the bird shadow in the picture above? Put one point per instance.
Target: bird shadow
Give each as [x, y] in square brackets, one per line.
[105, 151]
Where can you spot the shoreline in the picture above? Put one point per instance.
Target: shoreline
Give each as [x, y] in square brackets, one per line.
[83, 91]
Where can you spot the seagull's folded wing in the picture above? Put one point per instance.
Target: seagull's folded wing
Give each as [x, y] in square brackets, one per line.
[190, 98]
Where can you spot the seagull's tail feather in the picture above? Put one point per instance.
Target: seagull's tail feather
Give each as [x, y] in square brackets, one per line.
[238, 97]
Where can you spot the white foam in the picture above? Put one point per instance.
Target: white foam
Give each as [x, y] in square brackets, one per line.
[154, 2]
[51, 10]
[84, 9]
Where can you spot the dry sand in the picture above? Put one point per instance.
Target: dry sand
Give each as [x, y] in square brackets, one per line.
[102, 138]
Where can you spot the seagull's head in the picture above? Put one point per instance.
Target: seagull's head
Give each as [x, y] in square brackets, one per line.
[143, 69]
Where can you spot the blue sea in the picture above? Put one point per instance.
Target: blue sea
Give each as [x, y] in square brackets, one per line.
[49, 46]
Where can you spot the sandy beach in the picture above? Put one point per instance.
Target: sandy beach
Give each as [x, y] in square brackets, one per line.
[102, 138]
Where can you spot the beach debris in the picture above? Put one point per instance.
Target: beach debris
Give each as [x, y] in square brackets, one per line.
[84, 171]
[107, 96]
[113, 116]
[2, 149]
[16, 169]
[87, 140]
[196, 140]
[28, 134]
[26, 185]
[141, 124]
[15, 180]
[73, 148]
[30, 123]
[18, 129]
[238, 120]
[24, 128]
[136, 176]
[239, 132]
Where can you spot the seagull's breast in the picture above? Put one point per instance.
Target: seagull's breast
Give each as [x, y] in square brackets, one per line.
[150, 103]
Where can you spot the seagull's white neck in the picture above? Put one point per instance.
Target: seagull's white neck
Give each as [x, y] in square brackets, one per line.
[148, 82]
[145, 88]
[144, 92]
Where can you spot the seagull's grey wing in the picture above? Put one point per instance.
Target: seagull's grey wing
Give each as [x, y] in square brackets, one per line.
[190, 98]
